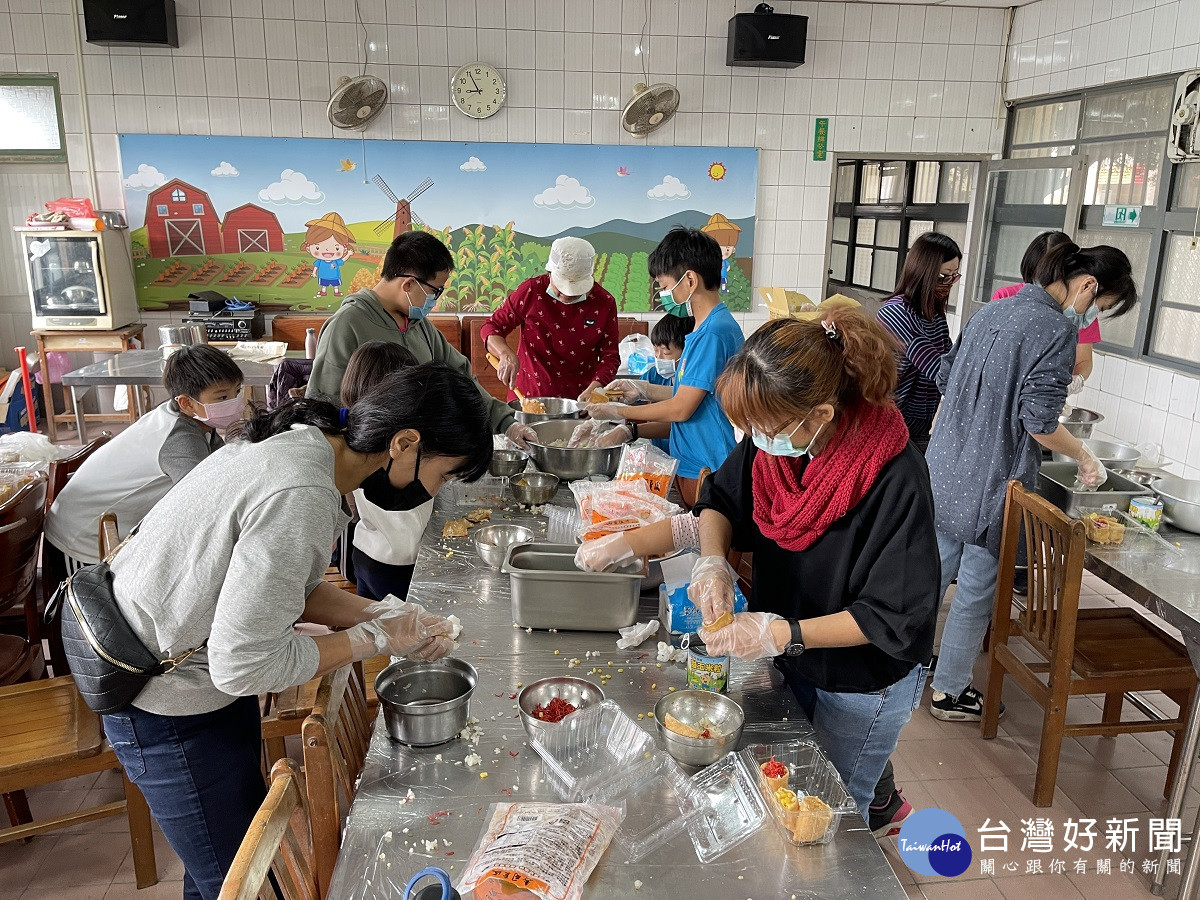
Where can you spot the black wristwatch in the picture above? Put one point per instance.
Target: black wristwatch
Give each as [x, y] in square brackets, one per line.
[795, 645]
[633, 430]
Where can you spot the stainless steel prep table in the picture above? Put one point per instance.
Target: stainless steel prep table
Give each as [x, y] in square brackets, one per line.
[1174, 596]
[140, 367]
[449, 578]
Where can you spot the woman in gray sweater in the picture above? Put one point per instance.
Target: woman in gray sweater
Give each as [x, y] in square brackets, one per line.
[233, 556]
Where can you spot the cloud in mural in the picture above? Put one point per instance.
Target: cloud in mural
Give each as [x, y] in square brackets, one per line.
[145, 178]
[292, 187]
[670, 189]
[224, 170]
[474, 164]
[567, 193]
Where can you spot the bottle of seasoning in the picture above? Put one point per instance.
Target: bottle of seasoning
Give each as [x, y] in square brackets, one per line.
[310, 343]
[705, 672]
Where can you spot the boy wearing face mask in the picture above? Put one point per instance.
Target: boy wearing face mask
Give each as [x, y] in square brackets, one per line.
[134, 470]
[668, 336]
[568, 328]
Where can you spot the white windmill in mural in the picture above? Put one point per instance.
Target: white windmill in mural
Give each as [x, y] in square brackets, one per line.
[403, 218]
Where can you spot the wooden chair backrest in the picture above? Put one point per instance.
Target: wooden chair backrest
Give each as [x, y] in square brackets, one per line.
[335, 737]
[62, 469]
[1055, 547]
[293, 329]
[279, 840]
[21, 518]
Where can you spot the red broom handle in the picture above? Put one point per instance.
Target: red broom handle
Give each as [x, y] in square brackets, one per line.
[27, 384]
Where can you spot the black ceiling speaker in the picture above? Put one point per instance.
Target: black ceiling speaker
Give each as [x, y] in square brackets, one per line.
[767, 39]
[130, 23]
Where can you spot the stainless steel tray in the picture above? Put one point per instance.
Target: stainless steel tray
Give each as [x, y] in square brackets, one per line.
[548, 591]
[1056, 482]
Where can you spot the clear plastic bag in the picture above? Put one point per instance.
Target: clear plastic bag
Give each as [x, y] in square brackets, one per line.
[547, 849]
[645, 462]
[612, 506]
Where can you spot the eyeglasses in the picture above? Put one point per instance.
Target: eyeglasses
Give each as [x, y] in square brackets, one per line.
[437, 291]
[952, 278]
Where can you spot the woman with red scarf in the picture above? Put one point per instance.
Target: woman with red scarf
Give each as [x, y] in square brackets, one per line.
[835, 504]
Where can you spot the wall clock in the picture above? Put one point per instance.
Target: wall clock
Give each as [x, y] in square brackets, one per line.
[477, 90]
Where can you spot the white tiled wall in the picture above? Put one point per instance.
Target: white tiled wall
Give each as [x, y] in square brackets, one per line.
[891, 78]
[1066, 44]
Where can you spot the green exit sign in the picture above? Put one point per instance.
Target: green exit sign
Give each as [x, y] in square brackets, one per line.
[1123, 216]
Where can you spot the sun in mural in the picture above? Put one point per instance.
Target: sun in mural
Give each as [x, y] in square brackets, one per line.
[717, 171]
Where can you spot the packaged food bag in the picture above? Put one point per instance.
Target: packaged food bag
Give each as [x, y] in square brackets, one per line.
[607, 507]
[679, 612]
[642, 461]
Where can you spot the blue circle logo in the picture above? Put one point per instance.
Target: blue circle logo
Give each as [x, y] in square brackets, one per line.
[933, 842]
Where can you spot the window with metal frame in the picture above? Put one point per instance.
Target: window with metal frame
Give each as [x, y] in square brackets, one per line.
[880, 207]
[1121, 132]
[31, 119]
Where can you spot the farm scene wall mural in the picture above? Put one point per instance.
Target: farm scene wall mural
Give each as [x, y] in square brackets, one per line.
[299, 223]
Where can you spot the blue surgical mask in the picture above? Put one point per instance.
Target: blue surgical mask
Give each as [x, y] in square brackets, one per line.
[553, 293]
[665, 367]
[672, 306]
[781, 444]
[416, 313]
[1082, 320]
[639, 363]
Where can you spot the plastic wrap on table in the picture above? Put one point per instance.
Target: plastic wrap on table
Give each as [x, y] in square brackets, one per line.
[613, 506]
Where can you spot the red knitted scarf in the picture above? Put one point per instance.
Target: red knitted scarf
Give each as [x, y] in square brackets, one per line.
[794, 510]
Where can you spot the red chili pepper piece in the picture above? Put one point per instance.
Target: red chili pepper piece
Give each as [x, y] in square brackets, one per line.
[554, 711]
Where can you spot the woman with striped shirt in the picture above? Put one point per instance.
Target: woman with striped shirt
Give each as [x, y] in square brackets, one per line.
[916, 316]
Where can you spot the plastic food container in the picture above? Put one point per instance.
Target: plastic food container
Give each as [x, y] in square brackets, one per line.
[487, 490]
[810, 774]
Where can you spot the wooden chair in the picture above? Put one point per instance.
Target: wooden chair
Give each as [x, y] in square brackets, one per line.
[279, 840]
[48, 734]
[1083, 651]
[61, 470]
[336, 736]
[21, 519]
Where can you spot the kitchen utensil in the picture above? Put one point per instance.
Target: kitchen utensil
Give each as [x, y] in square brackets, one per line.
[549, 591]
[506, 463]
[78, 295]
[556, 408]
[579, 692]
[1141, 476]
[722, 716]
[1181, 501]
[1080, 422]
[1056, 482]
[426, 703]
[533, 488]
[172, 337]
[493, 541]
[1110, 453]
[496, 365]
[570, 463]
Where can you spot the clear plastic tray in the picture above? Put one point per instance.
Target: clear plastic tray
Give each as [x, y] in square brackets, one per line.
[734, 807]
[591, 748]
[810, 774]
[659, 802]
[489, 489]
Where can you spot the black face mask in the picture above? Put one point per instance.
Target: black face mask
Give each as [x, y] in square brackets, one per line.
[379, 490]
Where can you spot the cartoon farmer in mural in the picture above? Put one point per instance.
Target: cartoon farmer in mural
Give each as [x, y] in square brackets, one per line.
[331, 243]
[725, 233]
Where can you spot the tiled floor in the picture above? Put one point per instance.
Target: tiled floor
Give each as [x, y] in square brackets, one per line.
[937, 764]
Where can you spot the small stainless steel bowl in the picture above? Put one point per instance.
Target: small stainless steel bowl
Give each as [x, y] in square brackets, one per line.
[426, 703]
[534, 488]
[506, 463]
[493, 541]
[1110, 453]
[1080, 422]
[692, 707]
[1141, 476]
[556, 408]
[1181, 501]
[579, 692]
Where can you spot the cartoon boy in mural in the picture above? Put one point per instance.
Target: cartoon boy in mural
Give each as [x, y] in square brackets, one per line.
[331, 243]
[725, 233]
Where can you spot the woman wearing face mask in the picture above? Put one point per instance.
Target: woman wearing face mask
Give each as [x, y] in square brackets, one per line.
[1005, 383]
[834, 502]
[916, 315]
[568, 328]
[234, 555]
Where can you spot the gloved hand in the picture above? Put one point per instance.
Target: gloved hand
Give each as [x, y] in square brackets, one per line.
[520, 435]
[632, 390]
[604, 554]
[402, 629]
[584, 434]
[712, 587]
[615, 437]
[507, 370]
[586, 396]
[1092, 473]
[749, 637]
[605, 412]
[1075, 386]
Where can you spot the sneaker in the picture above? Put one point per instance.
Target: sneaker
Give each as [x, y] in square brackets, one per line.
[886, 820]
[966, 707]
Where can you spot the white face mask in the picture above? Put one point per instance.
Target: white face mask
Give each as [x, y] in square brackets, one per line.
[223, 413]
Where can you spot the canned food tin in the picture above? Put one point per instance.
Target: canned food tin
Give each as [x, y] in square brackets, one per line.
[1147, 511]
[704, 672]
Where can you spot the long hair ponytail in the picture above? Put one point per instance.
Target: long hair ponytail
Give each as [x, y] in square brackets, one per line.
[1108, 265]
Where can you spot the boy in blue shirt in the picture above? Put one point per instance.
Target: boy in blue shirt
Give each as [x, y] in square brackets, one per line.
[687, 267]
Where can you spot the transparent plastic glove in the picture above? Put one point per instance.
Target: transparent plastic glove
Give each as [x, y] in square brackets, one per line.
[584, 434]
[636, 634]
[632, 390]
[605, 412]
[604, 554]
[586, 396]
[520, 435]
[712, 587]
[507, 370]
[1075, 386]
[1092, 473]
[749, 637]
[405, 629]
[615, 437]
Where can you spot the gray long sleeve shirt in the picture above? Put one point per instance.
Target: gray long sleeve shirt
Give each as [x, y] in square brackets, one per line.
[229, 555]
[1004, 380]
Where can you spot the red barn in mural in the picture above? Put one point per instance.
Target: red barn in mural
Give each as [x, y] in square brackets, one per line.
[181, 221]
[251, 229]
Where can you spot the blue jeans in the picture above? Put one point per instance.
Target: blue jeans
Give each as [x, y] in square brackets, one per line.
[201, 777]
[858, 732]
[970, 611]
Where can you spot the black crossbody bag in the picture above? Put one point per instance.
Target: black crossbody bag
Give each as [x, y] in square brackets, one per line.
[109, 662]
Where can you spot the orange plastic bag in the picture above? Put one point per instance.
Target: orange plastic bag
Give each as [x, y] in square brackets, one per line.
[611, 506]
[647, 463]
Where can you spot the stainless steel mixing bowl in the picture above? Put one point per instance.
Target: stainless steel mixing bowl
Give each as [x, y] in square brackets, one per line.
[570, 463]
